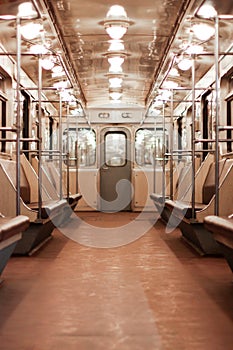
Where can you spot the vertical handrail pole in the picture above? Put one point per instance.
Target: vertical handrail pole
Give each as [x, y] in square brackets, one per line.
[18, 67]
[60, 146]
[193, 137]
[155, 155]
[163, 152]
[40, 137]
[68, 152]
[76, 166]
[171, 147]
[217, 89]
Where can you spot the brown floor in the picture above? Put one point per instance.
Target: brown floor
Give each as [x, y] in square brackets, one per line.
[153, 293]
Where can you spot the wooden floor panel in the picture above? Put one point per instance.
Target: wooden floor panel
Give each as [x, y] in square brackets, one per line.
[153, 293]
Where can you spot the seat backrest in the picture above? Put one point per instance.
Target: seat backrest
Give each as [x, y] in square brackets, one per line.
[10, 169]
[208, 189]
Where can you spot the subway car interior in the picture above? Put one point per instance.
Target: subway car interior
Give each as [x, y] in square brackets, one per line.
[116, 175]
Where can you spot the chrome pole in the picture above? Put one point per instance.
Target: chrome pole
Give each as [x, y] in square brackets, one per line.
[193, 137]
[164, 151]
[155, 156]
[40, 138]
[60, 146]
[18, 67]
[171, 148]
[217, 89]
[68, 153]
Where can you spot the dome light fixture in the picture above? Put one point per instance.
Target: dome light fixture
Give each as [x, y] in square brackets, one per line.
[185, 63]
[116, 45]
[27, 11]
[203, 31]
[115, 82]
[38, 49]
[47, 63]
[31, 30]
[116, 22]
[116, 58]
[115, 93]
[194, 49]
[207, 11]
[115, 69]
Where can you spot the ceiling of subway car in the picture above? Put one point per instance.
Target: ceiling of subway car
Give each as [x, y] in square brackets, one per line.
[158, 30]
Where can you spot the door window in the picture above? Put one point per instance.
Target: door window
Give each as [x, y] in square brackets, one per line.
[115, 149]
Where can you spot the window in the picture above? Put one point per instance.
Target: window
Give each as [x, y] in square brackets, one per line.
[115, 149]
[84, 141]
[149, 143]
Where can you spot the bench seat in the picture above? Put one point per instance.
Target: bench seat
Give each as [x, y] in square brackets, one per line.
[49, 209]
[11, 229]
[11, 226]
[221, 228]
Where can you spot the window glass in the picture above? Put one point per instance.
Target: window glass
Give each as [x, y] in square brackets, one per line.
[149, 143]
[84, 140]
[115, 149]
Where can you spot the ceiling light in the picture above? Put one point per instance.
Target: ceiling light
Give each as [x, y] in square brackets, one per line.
[194, 49]
[207, 11]
[47, 63]
[31, 30]
[116, 22]
[115, 95]
[116, 60]
[115, 82]
[116, 45]
[38, 49]
[115, 69]
[203, 31]
[158, 102]
[57, 69]
[184, 64]
[174, 72]
[26, 10]
[165, 94]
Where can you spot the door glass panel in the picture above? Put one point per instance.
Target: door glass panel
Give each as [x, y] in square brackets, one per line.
[84, 140]
[115, 149]
[150, 143]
